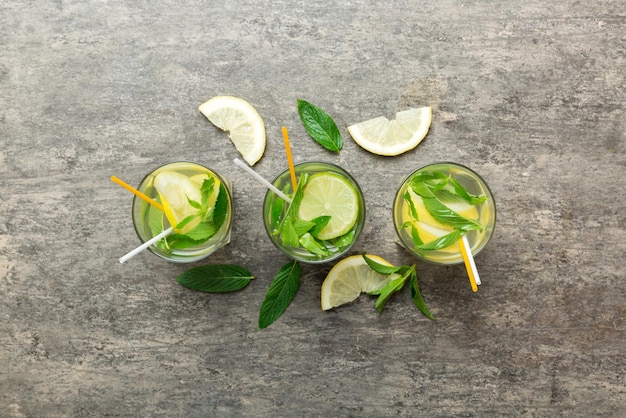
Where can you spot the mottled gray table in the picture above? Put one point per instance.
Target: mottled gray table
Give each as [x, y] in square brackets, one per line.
[529, 94]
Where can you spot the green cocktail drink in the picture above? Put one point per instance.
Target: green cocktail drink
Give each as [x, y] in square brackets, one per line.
[323, 219]
[195, 201]
[436, 205]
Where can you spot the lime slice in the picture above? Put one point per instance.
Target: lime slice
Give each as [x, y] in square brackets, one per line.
[174, 189]
[330, 194]
[349, 278]
[238, 117]
[382, 136]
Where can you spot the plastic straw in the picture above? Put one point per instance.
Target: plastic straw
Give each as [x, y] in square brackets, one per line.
[146, 244]
[292, 170]
[137, 192]
[262, 180]
[470, 264]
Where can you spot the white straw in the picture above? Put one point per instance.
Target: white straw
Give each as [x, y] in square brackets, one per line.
[146, 245]
[262, 180]
[472, 263]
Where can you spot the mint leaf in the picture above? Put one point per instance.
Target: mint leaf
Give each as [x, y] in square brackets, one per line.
[441, 242]
[194, 204]
[344, 240]
[202, 232]
[381, 268]
[288, 234]
[206, 190]
[313, 246]
[447, 216]
[409, 201]
[320, 223]
[320, 126]
[185, 221]
[220, 210]
[216, 278]
[182, 241]
[301, 226]
[278, 205]
[417, 297]
[470, 198]
[280, 293]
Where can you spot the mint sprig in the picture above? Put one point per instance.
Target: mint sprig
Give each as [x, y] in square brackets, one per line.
[281, 292]
[406, 273]
[320, 126]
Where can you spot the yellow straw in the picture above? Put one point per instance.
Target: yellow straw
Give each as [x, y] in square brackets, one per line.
[292, 170]
[137, 192]
[470, 266]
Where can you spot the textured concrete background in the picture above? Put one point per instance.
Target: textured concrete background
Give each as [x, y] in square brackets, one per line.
[530, 94]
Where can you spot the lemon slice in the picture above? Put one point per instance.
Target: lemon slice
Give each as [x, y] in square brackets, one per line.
[382, 136]
[244, 125]
[174, 189]
[349, 278]
[330, 194]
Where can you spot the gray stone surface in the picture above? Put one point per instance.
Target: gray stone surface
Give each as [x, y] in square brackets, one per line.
[529, 94]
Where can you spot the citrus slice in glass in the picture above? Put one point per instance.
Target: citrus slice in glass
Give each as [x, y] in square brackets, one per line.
[350, 277]
[244, 125]
[330, 194]
[174, 191]
[382, 136]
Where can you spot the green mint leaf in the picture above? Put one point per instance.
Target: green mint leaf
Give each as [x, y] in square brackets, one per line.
[278, 205]
[447, 216]
[441, 242]
[415, 236]
[385, 293]
[470, 198]
[313, 246]
[381, 268]
[288, 234]
[422, 189]
[206, 190]
[182, 241]
[185, 221]
[320, 126]
[409, 201]
[301, 226]
[202, 232]
[194, 204]
[220, 210]
[417, 297]
[344, 240]
[155, 220]
[280, 293]
[216, 278]
[320, 223]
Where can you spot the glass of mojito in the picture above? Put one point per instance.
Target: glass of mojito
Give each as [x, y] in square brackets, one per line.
[323, 219]
[439, 203]
[196, 202]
